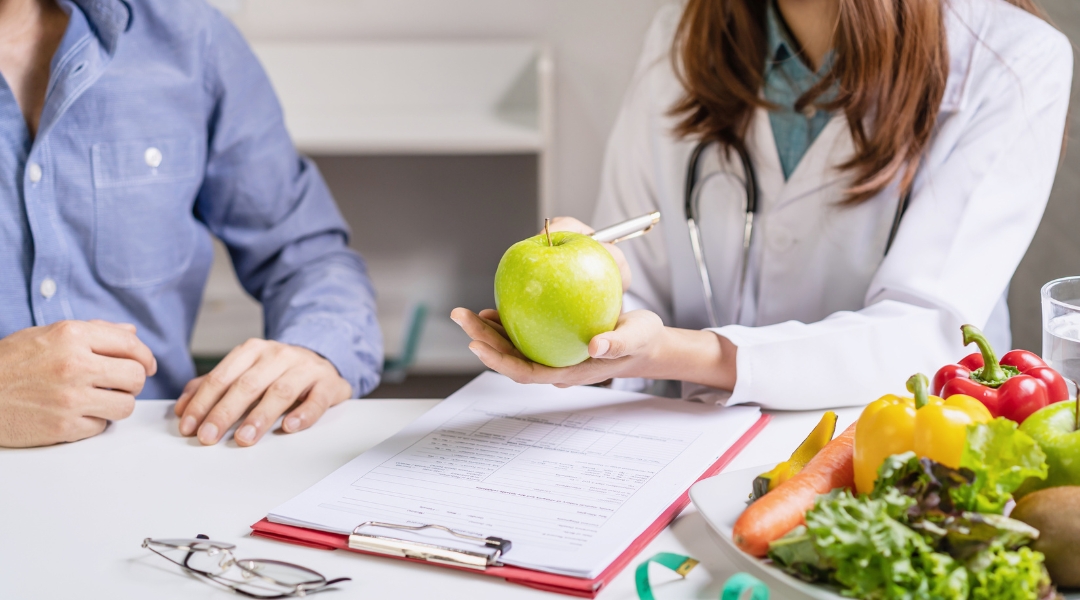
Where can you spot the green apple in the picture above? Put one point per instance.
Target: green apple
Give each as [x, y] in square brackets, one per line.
[1054, 428]
[554, 294]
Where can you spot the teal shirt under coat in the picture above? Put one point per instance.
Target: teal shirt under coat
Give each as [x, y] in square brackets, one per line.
[787, 78]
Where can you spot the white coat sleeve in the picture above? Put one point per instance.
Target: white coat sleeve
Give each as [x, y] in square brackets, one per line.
[628, 187]
[977, 203]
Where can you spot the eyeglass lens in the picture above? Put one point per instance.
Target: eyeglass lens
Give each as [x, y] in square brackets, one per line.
[253, 577]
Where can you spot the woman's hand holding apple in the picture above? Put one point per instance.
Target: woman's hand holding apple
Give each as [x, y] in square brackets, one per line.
[614, 354]
[640, 346]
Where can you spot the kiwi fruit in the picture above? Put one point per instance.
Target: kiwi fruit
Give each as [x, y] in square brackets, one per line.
[1055, 512]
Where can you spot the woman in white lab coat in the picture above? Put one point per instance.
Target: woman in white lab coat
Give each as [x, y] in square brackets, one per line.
[955, 108]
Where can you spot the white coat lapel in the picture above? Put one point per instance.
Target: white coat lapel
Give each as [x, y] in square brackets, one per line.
[761, 145]
[820, 166]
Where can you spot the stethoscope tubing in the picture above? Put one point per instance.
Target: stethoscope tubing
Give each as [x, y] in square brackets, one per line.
[691, 201]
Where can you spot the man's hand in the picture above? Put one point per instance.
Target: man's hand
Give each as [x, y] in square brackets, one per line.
[268, 375]
[572, 224]
[64, 382]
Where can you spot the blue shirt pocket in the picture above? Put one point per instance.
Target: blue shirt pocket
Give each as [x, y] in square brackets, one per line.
[144, 190]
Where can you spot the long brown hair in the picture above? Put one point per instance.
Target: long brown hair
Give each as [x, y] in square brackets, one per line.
[890, 68]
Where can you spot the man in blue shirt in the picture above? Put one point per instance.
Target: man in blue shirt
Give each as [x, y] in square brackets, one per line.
[130, 131]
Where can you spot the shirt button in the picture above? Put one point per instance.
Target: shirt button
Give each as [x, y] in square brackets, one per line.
[33, 171]
[152, 157]
[48, 288]
[810, 111]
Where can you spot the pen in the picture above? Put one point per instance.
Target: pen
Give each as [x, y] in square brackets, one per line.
[627, 229]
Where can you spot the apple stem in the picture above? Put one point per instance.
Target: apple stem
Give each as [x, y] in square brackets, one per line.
[547, 232]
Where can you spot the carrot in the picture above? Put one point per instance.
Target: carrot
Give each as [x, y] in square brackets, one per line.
[784, 508]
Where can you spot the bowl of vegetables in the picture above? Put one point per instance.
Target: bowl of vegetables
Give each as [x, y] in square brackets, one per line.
[911, 501]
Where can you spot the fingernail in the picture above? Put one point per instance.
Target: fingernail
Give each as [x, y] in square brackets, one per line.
[155, 365]
[208, 434]
[291, 424]
[246, 434]
[474, 351]
[602, 347]
[187, 426]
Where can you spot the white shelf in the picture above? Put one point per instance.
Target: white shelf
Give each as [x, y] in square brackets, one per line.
[347, 132]
[412, 97]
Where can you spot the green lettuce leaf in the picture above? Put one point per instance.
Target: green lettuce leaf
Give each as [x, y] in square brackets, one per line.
[936, 514]
[930, 484]
[1001, 457]
[860, 545]
[799, 556]
[1000, 574]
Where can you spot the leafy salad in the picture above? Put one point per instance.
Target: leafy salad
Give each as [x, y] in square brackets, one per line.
[928, 530]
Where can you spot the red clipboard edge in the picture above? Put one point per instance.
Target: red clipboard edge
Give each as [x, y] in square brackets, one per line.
[562, 584]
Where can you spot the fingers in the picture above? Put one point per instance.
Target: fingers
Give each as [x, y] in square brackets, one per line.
[125, 326]
[266, 377]
[185, 396]
[322, 396]
[280, 395]
[492, 316]
[215, 384]
[245, 391]
[634, 332]
[524, 371]
[484, 331]
[515, 368]
[109, 405]
[84, 427]
[118, 374]
[569, 224]
[121, 342]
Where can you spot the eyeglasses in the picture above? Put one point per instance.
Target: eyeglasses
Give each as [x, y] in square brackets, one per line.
[251, 577]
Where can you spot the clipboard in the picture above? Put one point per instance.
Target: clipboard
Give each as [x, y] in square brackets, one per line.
[549, 582]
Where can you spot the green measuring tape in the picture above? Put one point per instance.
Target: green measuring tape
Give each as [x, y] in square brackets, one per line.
[740, 586]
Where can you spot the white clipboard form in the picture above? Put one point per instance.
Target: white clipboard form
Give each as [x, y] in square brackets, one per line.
[570, 476]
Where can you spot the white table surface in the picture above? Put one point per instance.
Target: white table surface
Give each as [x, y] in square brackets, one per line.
[72, 517]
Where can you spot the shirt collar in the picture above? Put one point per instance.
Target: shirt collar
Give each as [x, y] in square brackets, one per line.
[77, 30]
[776, 37]
[782, 48]
[107, 19]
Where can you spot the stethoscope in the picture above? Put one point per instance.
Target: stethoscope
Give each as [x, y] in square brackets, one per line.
[750, 184]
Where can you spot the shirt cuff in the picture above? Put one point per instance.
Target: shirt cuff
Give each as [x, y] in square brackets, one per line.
[342, 345]
[745, 339]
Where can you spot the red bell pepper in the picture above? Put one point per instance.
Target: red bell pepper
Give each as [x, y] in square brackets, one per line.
[1020, 384]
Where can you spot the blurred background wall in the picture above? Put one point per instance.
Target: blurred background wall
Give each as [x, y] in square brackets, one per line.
[462, 211]
[1055, 252]
[595, 44]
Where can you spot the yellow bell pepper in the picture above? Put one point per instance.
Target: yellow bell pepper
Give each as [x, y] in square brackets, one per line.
[932, 427]
[822, 434]
[941, 429]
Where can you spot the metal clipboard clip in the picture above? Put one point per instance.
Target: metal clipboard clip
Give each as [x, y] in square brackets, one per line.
[480, 560]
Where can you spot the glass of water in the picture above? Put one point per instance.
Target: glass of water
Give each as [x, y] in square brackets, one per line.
[1061, 326]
